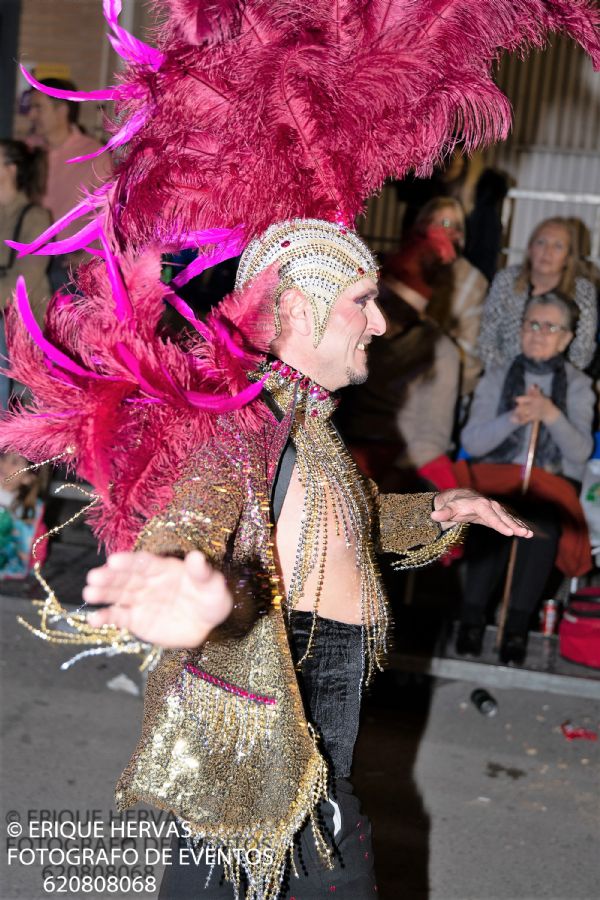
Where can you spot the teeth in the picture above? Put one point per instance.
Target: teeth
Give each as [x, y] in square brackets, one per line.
[361, 346]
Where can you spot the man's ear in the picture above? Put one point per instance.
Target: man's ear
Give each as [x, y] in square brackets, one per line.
[295, 312]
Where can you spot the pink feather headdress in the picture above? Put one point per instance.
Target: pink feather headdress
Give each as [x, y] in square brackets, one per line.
[266, 110]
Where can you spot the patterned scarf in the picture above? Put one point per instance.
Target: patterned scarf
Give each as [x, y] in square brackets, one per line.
[548, 455]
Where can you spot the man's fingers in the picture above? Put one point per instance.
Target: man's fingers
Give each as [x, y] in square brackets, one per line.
[495, 516]
[114, 615]
[502, 521]
[136, 562]
[443, 514]
[107, 594]
[198, 567]
[483, 512]
[516, 524]
[106, 577]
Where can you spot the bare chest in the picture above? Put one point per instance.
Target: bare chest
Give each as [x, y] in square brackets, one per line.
[335, 577]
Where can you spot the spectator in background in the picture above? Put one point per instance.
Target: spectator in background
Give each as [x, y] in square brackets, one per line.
[21, 511]
[54, 125]
[551, 264]
[484, 223]
[21, 219]
[539, 385]
[458, 291]
[447, 180]
[399, 423]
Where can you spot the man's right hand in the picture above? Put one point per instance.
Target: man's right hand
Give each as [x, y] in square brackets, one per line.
[161, 600]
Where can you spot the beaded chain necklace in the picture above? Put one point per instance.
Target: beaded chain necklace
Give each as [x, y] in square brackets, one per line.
[332, 484]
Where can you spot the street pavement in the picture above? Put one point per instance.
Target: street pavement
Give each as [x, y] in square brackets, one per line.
[464, 807]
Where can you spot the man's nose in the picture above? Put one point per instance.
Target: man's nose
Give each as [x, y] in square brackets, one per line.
[376, 324]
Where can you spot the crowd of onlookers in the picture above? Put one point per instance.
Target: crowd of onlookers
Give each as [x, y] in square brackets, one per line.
[466, 369]
[474, 355]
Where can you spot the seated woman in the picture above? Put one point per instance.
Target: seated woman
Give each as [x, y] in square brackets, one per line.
[538, 385]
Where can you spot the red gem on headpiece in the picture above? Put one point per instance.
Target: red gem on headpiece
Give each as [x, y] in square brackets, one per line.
[285, 371]
[276, 364]
[285, 243]
[305, 383]
[360, 270]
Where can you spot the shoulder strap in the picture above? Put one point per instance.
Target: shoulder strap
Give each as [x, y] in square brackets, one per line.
[282, 479]
[17, 233]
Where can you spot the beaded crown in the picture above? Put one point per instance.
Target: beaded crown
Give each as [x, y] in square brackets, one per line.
[319, 258]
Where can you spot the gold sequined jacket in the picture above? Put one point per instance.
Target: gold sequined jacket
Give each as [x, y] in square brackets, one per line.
[225, 742]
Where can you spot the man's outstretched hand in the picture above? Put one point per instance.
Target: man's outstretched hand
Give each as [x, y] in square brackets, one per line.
[162, 600]
[463, 505]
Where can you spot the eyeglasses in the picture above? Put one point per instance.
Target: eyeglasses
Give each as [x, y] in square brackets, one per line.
[544, 327]
[450, 223]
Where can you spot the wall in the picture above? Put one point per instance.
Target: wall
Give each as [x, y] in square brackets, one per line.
[70, 33]
[554, 148]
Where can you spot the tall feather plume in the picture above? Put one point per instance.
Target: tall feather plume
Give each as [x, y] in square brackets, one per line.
[204, 21]
[145, 385]
[304, 109]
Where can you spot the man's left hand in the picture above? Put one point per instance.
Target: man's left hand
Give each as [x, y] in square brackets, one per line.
[461, 505]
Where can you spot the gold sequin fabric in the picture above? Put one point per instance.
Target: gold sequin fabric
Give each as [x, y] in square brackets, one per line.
[319, 258]
[225, 743]
[407, 530]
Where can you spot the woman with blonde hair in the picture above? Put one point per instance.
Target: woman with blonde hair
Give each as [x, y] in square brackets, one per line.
[551, 264]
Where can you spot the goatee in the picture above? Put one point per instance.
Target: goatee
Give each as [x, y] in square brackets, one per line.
[354, 377]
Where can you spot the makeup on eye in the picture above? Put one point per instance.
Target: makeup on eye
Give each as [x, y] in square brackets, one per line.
[362, 301]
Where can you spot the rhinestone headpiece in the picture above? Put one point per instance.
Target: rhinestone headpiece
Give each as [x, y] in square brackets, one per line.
[319, 258]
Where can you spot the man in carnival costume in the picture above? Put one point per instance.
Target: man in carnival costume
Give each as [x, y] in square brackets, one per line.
[243, 537]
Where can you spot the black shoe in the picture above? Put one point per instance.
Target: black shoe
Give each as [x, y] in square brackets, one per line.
[513, 649]
[469, 640]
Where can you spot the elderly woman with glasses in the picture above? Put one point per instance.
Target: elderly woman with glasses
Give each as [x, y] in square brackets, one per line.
[552, 264]
[538, 385]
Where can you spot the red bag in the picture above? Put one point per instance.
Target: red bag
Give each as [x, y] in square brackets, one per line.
[579, 632]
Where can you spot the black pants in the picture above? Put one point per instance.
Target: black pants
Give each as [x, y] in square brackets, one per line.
[352, 878]
[487, 554]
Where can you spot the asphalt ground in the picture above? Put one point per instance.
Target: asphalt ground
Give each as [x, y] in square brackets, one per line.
[463, 806]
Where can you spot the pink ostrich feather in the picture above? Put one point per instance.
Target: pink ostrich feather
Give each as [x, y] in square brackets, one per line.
[286, 109]
[250, 111]
[111, 392]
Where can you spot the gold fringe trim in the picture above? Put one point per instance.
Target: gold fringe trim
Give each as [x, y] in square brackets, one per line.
[223, 721]
[52, 614]
[264, 880]
[423, 556]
